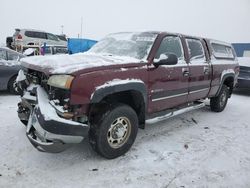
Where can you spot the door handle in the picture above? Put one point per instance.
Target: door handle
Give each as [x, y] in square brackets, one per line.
[206, 70]
[185, 72]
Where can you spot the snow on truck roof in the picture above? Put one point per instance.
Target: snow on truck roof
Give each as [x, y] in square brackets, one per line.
[96, 57]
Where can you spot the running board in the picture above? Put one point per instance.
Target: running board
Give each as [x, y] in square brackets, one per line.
[175, 113]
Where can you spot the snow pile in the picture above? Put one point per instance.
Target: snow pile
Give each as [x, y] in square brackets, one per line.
[196, 149]
[60, 64]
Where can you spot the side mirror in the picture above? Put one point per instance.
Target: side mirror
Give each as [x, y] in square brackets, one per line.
[169, 59]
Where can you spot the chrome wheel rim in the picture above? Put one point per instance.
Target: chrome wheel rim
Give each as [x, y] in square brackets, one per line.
[119, 132]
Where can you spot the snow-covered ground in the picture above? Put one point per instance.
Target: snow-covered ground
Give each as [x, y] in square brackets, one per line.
[196, 149]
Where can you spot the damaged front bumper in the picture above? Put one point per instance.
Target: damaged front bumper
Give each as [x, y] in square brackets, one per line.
[46, 130]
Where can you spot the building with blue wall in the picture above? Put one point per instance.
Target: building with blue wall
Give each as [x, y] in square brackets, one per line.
[242, 49]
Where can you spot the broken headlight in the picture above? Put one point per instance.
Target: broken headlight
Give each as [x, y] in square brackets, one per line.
[60, 81]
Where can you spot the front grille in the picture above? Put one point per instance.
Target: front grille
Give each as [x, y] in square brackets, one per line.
[38, 78]
[59, 94]
[244, 72]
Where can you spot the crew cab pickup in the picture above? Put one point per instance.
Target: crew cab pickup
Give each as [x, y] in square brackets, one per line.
[126, 79]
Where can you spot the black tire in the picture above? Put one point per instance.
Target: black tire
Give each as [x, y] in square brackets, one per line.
[218, 104]
[12, 85]
[25, 122]
[114, 132]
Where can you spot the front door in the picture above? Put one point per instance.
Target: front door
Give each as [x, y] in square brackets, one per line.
[168, 84]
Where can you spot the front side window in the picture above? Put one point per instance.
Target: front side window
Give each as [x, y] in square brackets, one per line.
[135, 45]
[52, 37]
[13, 56]
[170, 45]
[195, 49]
[3, 54]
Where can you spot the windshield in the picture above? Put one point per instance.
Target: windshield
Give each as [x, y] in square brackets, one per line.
[135, 45]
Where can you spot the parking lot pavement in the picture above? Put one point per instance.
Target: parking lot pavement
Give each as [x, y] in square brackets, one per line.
[197, 149]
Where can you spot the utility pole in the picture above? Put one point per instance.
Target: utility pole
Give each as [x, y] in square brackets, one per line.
[81, 27]
[62, 26]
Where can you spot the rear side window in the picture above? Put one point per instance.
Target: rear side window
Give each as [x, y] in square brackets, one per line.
[35, 34]
[195, 49]
[61, 37]
[222, 51]
[170, 45]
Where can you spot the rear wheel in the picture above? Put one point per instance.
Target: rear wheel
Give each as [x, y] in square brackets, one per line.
[218, 104]
[114, 132]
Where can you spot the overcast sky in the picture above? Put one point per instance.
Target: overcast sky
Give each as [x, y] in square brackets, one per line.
[227, 20]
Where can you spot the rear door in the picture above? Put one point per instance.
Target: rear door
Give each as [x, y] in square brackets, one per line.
[200, 72]
[168, 84]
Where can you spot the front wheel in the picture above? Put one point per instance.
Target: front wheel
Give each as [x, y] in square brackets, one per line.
[115, 131]
[218, 104]
[12, 86]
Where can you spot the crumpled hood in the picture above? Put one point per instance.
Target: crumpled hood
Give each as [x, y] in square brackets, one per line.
[67, 64]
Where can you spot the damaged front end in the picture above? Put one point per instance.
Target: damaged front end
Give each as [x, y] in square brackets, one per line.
[45, 110]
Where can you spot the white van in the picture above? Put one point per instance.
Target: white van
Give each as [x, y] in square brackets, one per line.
[29, 38]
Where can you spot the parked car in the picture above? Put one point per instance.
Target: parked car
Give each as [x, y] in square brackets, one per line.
[244, 76]
[52, 50]
[28, 38]
[122, 81]
[9, 67]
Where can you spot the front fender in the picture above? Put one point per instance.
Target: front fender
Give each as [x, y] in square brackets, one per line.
[119, 86]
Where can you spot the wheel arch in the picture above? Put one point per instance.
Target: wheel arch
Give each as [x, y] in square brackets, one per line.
[10, 79]
[228, 80]
[132, 94]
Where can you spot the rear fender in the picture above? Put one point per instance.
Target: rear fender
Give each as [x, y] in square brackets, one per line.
[224, 77]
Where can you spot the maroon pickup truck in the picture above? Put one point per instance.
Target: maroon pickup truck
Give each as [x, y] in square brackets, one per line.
[126, 79]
